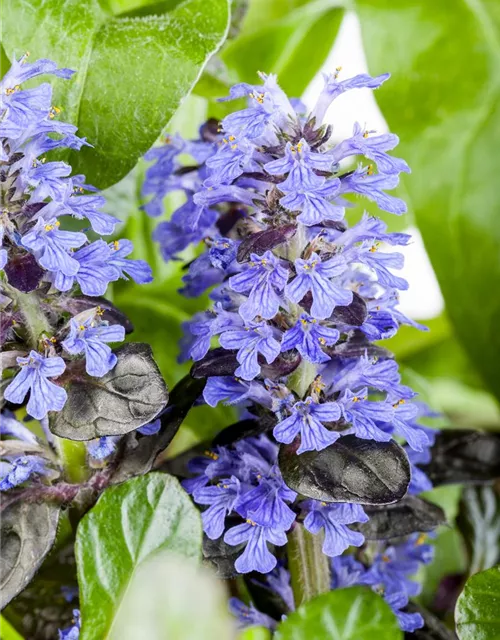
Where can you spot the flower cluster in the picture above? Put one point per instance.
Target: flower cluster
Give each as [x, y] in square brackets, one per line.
[390, 574]
[299, 298]
[44, 261]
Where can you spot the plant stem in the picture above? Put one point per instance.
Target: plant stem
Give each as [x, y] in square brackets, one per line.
[35, 320]
[72, 456]
[308, 565]
[302, 377]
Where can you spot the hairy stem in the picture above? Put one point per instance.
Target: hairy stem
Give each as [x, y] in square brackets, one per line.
[36, 322]
[308, 565]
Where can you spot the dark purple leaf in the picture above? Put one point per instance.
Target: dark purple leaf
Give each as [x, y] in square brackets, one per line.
[23, 271]
[221, 556]
[468, 456]
[409, 515]
[350, 470]
[111, 313]
[243, 429]
[138, 453]
[228, 219]
[357, 345]
[263, 241]
[128, 397]
[353, 315]
[217, 362]
[28, 532]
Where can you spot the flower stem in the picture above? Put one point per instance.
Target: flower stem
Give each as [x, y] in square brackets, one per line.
[308, 565]
[73, 458]
[36, 322]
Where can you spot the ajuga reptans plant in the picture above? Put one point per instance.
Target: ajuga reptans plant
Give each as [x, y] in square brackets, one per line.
[301, 299]
[56, 328]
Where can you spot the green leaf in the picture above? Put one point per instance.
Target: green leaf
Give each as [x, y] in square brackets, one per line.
[294, 44]
[133, 72]
[356, 613]
[170, 598]
[443, 102]
[476, 613]
[255, 633]
[7, 631]
[129, 523]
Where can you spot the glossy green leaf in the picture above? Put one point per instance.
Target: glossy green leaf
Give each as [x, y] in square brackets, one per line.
[133, 71]
[290, 39]
[477, 611]
[356, 613]
[169, 598]
[443, 102]
[128, 525]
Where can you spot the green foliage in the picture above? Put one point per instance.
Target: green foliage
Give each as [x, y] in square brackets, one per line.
[443, 102]
[128, 525]
[290, 39]
[255, 633]
[356, 613]
[170, 598]
[7, 631]
[476, 613]
[133, 71]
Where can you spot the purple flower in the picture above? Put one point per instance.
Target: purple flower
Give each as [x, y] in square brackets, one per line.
[234, 157]
[9, 426]
[102, 448]
[51, 246]
[138, 270]
[266, 505]
[20, 109]
[393, 568]
[419, 480]
[308, 336]
[299, 162]
[205, 326]
[72, 632]
[380, 262]
[346, 572]
[364, 414]
[94, 273]
[372, 147]
[371, 186]
[44, 395]
[86, 206]
[314, 203]
[257, 338]
[307, 419]
[221, 498]
[264, 278]
[407, 621]
[256, 556]
[269, 106]
[334, 88]
[315, 276]
[230, 390]
[90, 338]
[333, 518]
[21, 469]
[248, 615]
[47, 181]
[404, 424]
